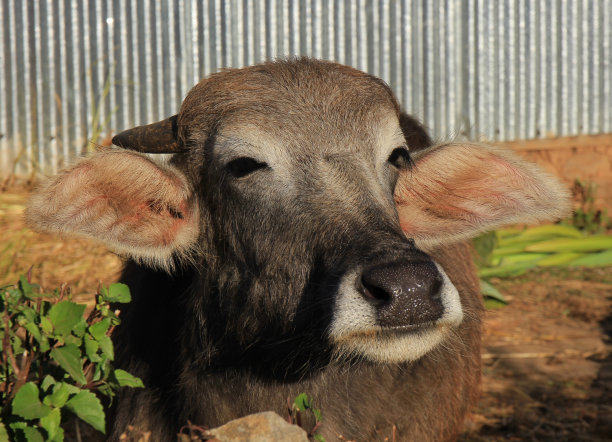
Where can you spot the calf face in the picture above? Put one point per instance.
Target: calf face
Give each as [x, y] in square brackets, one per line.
[307, 205]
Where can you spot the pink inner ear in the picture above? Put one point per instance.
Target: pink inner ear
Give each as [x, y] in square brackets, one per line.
[166, 220]
[459, 190]
[123, 199]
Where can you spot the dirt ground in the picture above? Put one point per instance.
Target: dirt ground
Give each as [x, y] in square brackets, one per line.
[547, 363]
[547, 355]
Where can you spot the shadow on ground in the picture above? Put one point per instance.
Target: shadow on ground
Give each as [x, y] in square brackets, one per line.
[547, 360]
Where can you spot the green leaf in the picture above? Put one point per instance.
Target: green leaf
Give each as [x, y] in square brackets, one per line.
[492, 304]
[47, 382]
[71, 388]
[88, 408]
[103, 309]
[18, 425]
[3, 433]
[33, 435]
[99, 329]
[17, 345]
[106, 345]
[14, 298]
[59, 397]
[98, 370]
[51, 424]
[69, 358]
[71, 339]
[60, 435]
[34, 330]
[489, 291]
[106, 368]
[302, 402]
[28, 313]
[117, 292]
[45, 325]
[18, 430]
[65, 315]
[91, 349]
[319, 438]
[602, 259]
[124, 379]
[25, 287]
[506, 271]
[27, 404]
[80, 328]
[108, 390]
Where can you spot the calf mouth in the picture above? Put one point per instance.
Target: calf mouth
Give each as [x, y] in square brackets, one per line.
[359, 329]
[420, 330]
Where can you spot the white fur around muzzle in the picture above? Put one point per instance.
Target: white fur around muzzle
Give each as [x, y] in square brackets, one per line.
[355, 331]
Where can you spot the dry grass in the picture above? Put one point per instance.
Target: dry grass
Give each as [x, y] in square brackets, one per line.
[80, 263]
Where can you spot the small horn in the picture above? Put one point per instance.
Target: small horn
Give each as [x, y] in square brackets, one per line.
[160, 137]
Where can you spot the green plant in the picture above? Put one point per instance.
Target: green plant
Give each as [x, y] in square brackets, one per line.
[586, 216]
[511, 252]
[303, 404]
[514, 251]
[54, 360]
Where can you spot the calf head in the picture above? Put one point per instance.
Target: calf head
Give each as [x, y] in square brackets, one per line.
[307, 203]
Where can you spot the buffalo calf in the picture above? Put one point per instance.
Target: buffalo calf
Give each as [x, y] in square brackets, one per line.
[304, 236]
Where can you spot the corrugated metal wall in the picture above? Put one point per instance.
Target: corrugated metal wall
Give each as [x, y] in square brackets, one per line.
[71, 70]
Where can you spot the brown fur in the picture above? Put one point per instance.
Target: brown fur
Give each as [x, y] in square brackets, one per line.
[245, 322]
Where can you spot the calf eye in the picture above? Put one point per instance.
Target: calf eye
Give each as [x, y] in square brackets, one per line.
[243, 166]
[400, 158]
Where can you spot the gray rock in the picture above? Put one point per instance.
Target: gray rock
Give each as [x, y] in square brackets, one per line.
[260, 427]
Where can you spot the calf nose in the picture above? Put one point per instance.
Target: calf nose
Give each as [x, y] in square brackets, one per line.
[405, 293]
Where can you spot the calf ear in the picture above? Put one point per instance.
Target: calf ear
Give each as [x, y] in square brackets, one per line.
[123, 199]
[456, 191]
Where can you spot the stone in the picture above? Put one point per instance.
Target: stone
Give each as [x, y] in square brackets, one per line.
[259, 427]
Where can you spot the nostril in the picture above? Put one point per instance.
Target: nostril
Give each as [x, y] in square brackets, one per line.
[373, 292]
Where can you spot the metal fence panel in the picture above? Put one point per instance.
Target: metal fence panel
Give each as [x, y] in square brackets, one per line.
[73, 71]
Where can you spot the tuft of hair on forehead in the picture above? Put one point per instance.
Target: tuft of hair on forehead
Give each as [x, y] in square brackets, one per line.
[290, 91]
